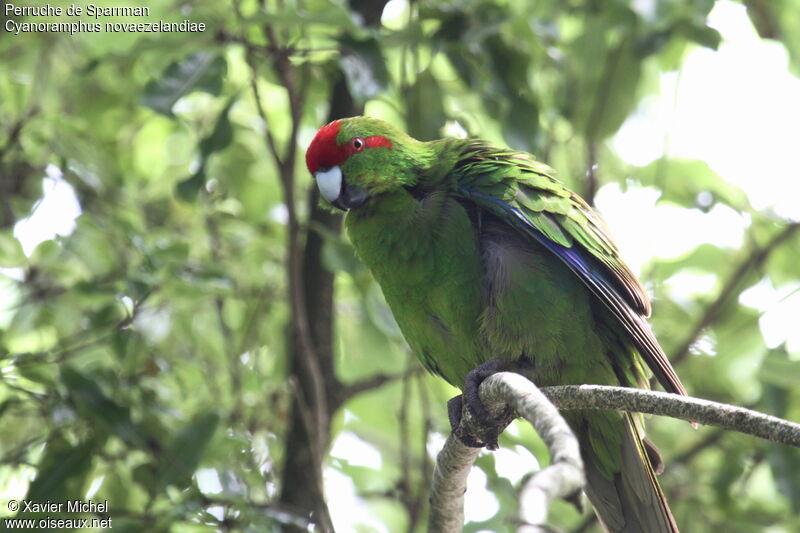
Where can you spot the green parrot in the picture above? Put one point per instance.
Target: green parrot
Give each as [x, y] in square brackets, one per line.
[484, 257]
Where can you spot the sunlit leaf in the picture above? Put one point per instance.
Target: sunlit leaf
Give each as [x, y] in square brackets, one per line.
[691, 183]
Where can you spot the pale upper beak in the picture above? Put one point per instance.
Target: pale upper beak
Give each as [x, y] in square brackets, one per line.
[336, 191]
[329, 183]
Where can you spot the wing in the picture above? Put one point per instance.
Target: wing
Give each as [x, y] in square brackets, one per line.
[521, 190]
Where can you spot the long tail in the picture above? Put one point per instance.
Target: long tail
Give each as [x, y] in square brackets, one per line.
[632, 500]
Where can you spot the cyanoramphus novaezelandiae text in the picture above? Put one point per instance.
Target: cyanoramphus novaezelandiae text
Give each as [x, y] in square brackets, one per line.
[483, 255]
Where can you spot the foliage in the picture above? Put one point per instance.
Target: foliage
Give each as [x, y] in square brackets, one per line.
[146, 357]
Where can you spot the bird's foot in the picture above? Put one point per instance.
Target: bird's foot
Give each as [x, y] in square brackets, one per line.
[483, 428]
[455, 410]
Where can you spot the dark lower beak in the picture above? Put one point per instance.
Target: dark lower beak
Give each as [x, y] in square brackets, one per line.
[336, 191]
[350, 197]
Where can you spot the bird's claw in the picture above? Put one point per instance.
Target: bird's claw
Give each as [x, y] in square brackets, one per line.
[455, 408]
[485, 427]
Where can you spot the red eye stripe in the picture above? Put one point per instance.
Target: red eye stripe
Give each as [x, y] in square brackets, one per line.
[378, 140]
[325, 152]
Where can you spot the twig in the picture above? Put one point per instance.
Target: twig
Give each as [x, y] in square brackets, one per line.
[686, 456]
[262, 112]
[673, 405]
[347, 391]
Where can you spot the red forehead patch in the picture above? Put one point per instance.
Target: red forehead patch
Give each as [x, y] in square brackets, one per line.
[325, 152]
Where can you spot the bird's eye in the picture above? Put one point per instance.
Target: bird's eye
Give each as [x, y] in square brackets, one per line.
[358, 144]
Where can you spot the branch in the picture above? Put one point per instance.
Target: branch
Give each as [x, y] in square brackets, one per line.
[673, 405]
[312, 385]
[563, 478]
[448, 486]
[348, 390]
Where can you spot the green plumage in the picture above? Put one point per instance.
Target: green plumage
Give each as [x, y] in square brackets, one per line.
[482, 254]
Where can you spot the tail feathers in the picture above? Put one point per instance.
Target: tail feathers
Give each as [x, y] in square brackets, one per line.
[631, 502]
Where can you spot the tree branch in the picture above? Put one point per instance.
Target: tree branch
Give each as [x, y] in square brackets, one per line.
[448, 486]
[348, 390]
[675, 406]
[564, 477]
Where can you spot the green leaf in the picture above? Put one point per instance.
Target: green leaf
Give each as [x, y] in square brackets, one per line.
[691, 183]
[613, 95]
[219, 139]
[92, 403]
[783, 460]
[222, 134]
[11, 254]
[199, 71]
[521, 125]
[699, 33]
[35, 370]
[778, 370]
[704, 258]
[782, 262]
[188, 188]
[326, 14]
[785, 464]
[61, 472]
[425, 113]
[182, 456]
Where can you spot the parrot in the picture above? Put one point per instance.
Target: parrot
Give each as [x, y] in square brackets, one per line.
[485, 258]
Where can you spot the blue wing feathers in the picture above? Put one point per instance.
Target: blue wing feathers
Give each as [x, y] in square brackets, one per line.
[602, 281]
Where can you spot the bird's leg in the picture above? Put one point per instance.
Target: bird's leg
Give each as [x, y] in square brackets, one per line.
[487, 428]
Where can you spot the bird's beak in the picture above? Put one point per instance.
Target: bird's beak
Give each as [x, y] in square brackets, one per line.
[337, 192]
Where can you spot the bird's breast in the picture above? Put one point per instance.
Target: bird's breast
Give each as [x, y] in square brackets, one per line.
[427, 262]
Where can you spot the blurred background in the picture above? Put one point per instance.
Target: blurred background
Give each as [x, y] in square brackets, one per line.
[186, 334]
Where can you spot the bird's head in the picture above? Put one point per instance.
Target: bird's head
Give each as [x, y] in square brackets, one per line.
[353, 159]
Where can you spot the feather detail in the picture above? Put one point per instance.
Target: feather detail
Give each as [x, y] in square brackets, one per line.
[516, 188]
